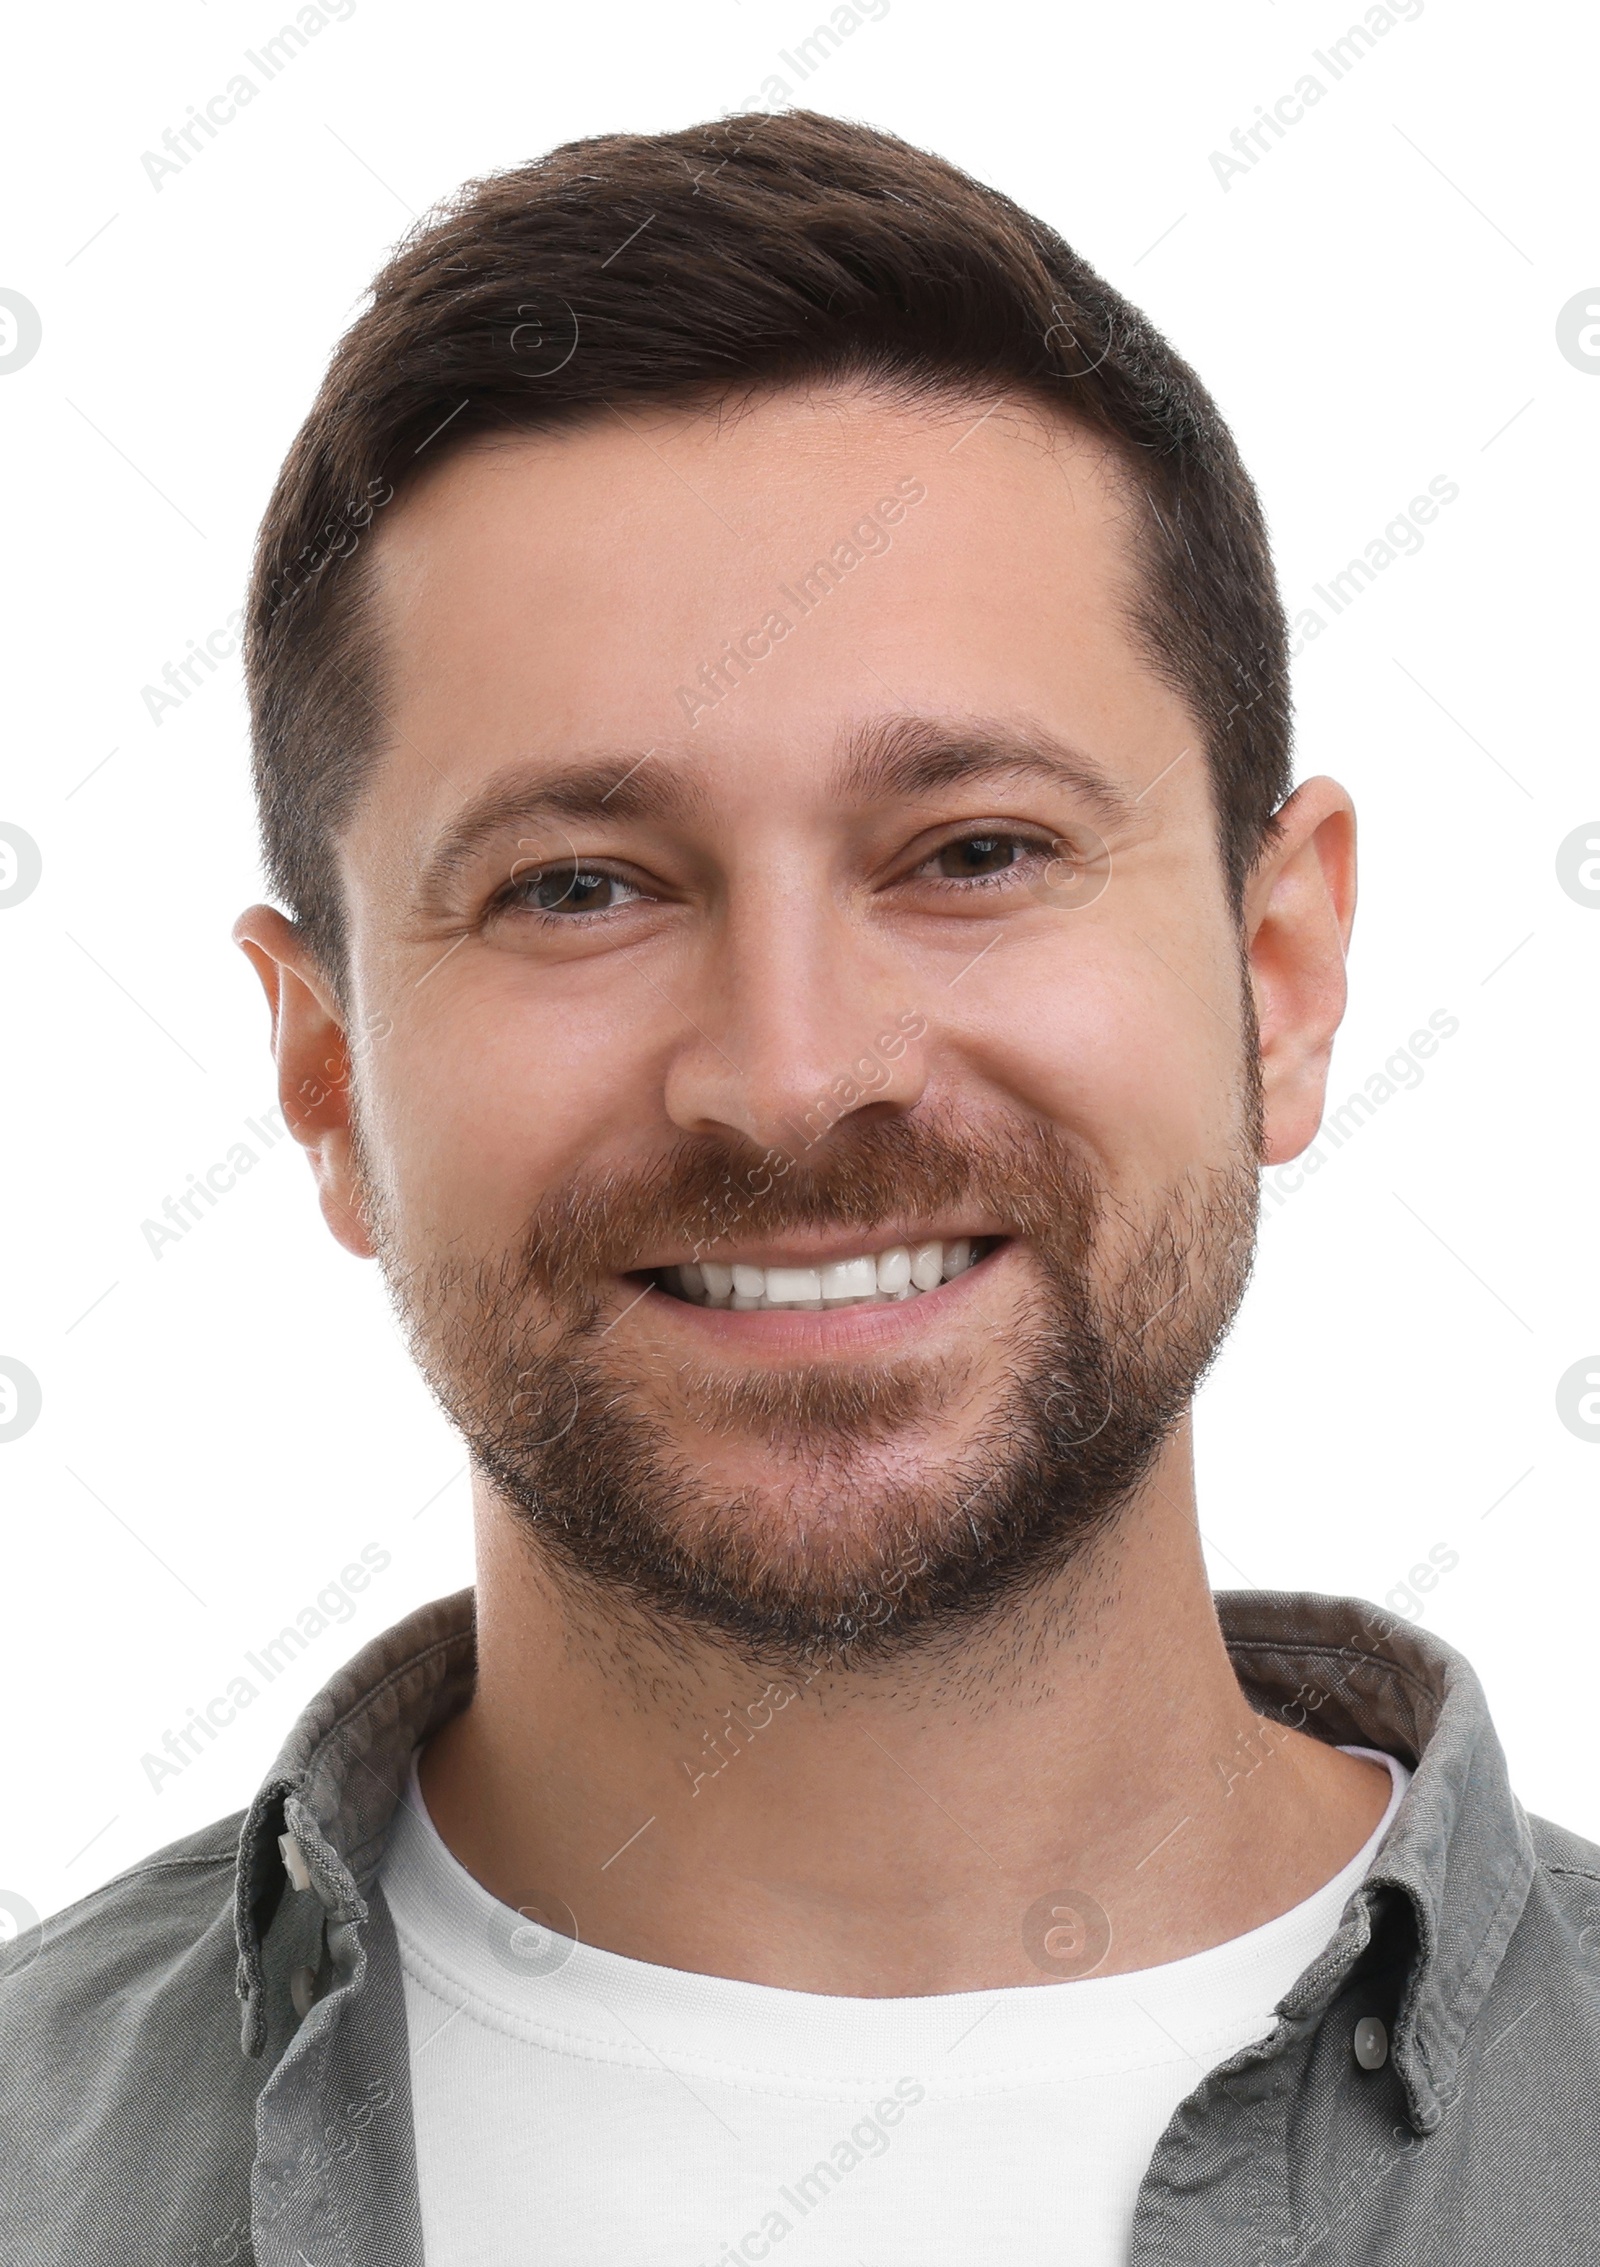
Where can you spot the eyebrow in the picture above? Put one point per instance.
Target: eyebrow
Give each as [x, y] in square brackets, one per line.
[622, 786]
[916, 755]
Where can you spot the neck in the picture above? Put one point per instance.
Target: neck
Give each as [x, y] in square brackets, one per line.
[957, 1822]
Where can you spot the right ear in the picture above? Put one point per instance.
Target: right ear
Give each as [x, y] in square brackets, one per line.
[312, 1053]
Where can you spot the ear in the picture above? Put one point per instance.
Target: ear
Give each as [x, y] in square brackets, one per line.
[310, 1048]
[1299, 906]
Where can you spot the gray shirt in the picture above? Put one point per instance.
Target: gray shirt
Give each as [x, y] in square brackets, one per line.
[206, 2060]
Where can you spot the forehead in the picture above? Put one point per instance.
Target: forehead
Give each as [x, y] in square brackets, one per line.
[741, 590]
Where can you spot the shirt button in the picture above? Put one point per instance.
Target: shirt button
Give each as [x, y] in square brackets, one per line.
[303, 1990]
[294, 1861]
[1371, 2043]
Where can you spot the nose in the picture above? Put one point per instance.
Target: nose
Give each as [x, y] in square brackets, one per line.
[796, 1024]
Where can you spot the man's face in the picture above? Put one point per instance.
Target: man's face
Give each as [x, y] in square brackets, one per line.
[784, 861]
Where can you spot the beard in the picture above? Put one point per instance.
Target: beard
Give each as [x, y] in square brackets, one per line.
[866, 1537]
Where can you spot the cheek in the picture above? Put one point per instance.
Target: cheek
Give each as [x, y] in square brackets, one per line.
[1102, 1038]
[494, 1097]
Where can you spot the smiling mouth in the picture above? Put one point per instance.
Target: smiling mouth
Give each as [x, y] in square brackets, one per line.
[874, 1279]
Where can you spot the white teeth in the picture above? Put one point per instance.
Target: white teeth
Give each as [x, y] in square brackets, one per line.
[848, 1279]
[904, 1271]
[927, 1266]
[894, 1270]
[792, 1286]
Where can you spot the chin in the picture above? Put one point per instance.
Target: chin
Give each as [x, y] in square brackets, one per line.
[784, 1472]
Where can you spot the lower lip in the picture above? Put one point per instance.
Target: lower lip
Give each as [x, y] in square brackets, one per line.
[805, 1332]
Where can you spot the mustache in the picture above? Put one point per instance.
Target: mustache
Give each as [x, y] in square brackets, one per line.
[702, 1193]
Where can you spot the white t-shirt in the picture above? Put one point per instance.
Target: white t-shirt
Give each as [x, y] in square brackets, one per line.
[606, 2113]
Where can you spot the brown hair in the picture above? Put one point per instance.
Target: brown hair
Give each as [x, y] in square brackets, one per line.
[768, 249]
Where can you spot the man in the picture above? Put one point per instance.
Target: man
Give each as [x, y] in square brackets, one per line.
[771, 730]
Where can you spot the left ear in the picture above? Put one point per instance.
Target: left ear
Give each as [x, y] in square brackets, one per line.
[1299, 905]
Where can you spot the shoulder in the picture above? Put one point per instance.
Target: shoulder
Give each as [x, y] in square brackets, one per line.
[151, 1923]
[1561, 1853]
[119, 2026]
[1567, 1885]
[1558, 1934]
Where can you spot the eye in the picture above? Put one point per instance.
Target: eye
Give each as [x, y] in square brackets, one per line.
[977, 854]
[561, 892]
[980, 857]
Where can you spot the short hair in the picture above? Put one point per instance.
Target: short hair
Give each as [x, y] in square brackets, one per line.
[766, 250]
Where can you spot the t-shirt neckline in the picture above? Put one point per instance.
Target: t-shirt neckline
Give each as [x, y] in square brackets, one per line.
[581, 1999]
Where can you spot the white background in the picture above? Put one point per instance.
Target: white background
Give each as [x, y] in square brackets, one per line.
[1373, 304]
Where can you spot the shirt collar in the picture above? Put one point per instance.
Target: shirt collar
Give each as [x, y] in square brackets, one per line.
[1458, 1858]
